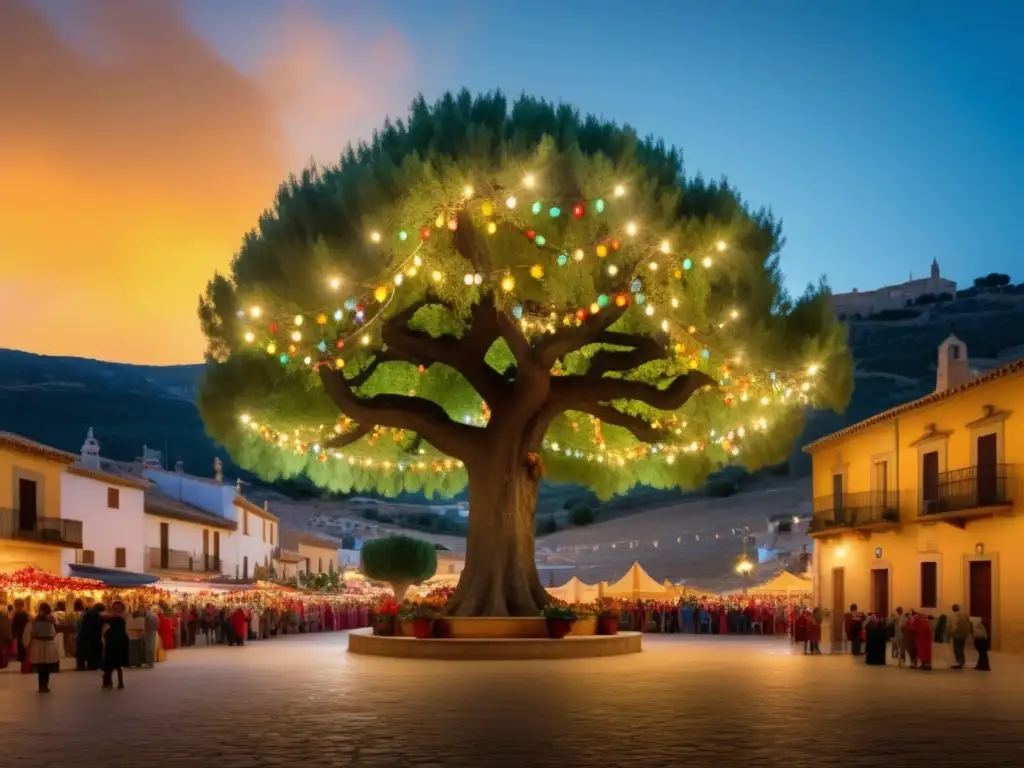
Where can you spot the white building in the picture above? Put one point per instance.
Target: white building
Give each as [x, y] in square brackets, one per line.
[111, 508]
[205, 524]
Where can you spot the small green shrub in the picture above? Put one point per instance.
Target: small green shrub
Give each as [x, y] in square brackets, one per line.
[719, 489]
[399, 560]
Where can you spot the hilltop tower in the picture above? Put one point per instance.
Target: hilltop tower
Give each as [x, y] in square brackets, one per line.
[935, 269]
[953, 369]
[90, 451]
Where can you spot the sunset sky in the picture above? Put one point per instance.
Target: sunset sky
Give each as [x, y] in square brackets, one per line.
[140, 140]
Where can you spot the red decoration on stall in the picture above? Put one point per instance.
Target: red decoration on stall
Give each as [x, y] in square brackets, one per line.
[35, 580]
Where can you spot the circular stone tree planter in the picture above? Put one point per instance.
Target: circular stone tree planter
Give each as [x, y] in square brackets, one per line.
[363, 642]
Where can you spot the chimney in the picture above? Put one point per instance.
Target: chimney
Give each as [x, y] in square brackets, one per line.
[179, 467]
[953, 369]
[218, 469]
[266, 507]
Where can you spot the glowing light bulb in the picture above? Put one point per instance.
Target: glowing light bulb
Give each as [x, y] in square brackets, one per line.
[403, 235]
[255, 312]
[631, 228]
[478, 279]
[764, 401]
[365, 339]
[707, 262]
[296, 336]
[675, 302]
[271, 348]
[665, 246]
[664, 325]
[804, 387]
[595, 308]
[245, 418]
[577, 255]
[619, 190]
[411, 272]
[613, 270]
[508, 284]
[467, 191]
[602, 250]
[335, 283]
[249, 336]
[536, 271]
[528, 180]
[375, 236]
[338, 314]
[491, 227]
[380, 293]
[650, 310]
[734, 314]
[812, 370]
[436, 276]
[307, 360]
[510, 201]
[468, 279]
[298, 319]
[721, 245]
[653, 266]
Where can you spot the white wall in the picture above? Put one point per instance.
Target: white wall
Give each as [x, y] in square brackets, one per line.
[252, 545]
[207, 494]
[188, 537]
[105, 529]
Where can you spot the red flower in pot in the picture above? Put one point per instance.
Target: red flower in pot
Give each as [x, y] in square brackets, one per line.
[559, 619]
[422, 617]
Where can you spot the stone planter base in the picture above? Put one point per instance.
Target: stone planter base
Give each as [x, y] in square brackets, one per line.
[361, 641]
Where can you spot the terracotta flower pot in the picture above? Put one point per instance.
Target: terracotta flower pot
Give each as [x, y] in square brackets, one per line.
[558, 628]
[422, 629]
[608, 625]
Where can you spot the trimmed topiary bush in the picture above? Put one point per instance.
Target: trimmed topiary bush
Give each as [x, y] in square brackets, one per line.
[400, 561]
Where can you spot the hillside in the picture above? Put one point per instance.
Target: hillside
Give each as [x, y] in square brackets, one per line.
[56, 399]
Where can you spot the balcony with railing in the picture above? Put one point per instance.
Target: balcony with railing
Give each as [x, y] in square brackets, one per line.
[971, 492]
[18, 525]
[871, 510]
[178, 560]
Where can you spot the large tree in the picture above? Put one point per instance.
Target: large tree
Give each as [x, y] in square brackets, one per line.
[486, 295]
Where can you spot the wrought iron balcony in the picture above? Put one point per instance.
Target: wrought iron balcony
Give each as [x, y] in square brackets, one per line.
[855, 510]
[179, 560]
[971, 489]
[56, 531]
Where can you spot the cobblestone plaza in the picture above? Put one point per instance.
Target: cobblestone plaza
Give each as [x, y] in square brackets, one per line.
[684, 701]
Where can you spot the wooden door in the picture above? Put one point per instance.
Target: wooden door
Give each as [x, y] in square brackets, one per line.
[216, 551]
[981, 592]
[28, 514]
[838, 605]
[988, 476]
[837, 497]
[880, 591]
[165, 544]
[930, 477]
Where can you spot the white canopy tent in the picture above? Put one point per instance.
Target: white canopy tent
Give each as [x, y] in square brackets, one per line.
[575, 591]
[638, 585]
[784, 583]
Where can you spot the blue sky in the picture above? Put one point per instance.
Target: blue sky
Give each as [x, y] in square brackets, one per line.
[884, 133]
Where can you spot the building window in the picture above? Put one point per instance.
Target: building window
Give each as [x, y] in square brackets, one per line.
[245, 567]
[451, 568]
[263, 525]
[88, 557]
[929, 584]
[245, 522]
[120, 558]
[954, 352]
[271, 534]
[319, 565]
[113, 498]
[930, 476]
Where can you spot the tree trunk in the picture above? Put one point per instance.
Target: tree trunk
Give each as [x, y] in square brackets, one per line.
[500, 576]
[401, 589]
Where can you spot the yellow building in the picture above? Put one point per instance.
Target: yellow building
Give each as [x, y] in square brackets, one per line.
[307, 552]
[32, 532]
[916, 506]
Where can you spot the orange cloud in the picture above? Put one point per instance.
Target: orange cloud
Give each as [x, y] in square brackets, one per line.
[130, 176]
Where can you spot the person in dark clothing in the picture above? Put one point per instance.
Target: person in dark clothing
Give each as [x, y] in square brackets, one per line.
[89, 648]
[855, 622]
[115, 646]
[875, 635]
[19, 621]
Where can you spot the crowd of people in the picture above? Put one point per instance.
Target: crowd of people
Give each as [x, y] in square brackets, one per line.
[110, 640]
[735, 614]
[911, 636]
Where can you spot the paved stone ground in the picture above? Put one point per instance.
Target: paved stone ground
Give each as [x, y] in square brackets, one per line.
[684, 701]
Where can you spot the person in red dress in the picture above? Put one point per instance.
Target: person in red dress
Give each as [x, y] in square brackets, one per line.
[922, 640]
[801, 634]
[239, 624]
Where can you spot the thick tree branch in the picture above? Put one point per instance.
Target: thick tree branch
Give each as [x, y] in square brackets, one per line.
[645, 349]
[340, 441]
[420, 348]
[566, 340]
[584, 393]
[470, 245]
[415, 414]
[640, 428]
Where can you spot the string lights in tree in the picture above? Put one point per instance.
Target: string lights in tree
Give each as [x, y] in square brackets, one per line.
[440, 310]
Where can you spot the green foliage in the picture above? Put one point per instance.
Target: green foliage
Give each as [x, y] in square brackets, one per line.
[720, 488]
[581, 514]
[398, 558]
[415, 171]
[558, 611]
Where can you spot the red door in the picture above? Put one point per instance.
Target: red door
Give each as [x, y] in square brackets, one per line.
[981, 592]
[880, 591]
